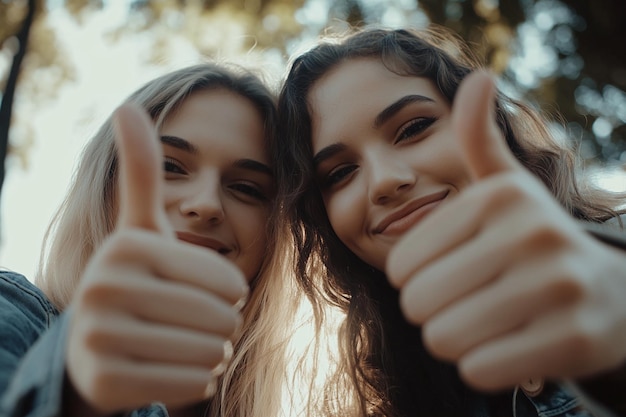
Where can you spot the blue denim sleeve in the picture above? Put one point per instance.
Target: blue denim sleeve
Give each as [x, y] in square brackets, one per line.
[37, 385]
[31, 365]
[32, 353]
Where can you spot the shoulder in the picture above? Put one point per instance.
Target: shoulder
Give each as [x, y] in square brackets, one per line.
[20, 297]
[615, 221]
[25, 314]
[612, 231]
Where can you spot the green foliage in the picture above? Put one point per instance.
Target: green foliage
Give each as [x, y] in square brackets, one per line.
[564, 55]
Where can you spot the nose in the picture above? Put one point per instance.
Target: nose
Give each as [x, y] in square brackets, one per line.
[203, 204]
[388, 177]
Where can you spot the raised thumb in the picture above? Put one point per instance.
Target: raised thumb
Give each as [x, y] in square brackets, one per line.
[140, 171]
[473, 117]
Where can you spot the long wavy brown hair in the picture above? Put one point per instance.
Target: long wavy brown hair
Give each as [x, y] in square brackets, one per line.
[384, 369]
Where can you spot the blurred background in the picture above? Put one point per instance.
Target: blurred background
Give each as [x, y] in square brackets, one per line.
[85, 56]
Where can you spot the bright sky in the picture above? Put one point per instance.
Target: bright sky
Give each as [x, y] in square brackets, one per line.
[32, 193]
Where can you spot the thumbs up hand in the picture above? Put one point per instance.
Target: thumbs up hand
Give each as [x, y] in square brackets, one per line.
[502, 280]
[152, 317]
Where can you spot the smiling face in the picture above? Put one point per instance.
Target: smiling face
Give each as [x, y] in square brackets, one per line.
[218, 183]
[385, 155]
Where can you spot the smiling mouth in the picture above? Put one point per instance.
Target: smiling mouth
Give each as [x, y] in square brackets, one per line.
[204, 241]
[403, 219]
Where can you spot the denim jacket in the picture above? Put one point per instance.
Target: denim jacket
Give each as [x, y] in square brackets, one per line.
[554, 400]
[32, 352]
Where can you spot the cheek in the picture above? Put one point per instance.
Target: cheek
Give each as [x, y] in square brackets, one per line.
[172, 195]
[449, 166]
[174, 191]
[346, 213]
[454, 169]
[249, 227]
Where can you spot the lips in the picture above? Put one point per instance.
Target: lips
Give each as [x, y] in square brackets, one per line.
[204, 241]
[410, 214]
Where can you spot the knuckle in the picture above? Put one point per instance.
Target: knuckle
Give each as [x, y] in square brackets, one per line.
[222, 319]
[581, 346]
[585, 336]
[542, 234]
[210, 389]
[393, 274]
[411, 309]
[219, 354]
[100, 292]
[230, 323]
[506, 191]
[227, 354]
[103, 386]
[237, 325]
[122, 244]
[396, 265]
[439, 343]
[120, 241]
[98, 338]
[566, 287]
[477, 378]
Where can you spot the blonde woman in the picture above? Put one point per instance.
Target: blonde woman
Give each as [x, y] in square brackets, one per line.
[148, 262]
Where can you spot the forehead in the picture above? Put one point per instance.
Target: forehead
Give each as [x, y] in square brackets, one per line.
[355, 91]
[217, 120]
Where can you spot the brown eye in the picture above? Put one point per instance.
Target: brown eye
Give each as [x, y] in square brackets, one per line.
[338, 174]
[414, 128]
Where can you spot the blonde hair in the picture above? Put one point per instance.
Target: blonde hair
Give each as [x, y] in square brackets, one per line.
[251, 384]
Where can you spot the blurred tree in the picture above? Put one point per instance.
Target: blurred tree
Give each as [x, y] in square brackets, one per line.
[586, 79]
[6, 103]
[563, 55]
[223, 28]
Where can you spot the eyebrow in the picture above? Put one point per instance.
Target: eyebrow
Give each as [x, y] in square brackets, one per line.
[249, 164]
[327, 152]
[179, 143]
[252, 165]
[398, 105]
[383, 116]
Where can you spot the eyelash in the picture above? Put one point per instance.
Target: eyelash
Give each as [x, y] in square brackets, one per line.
[172, 166]
[414, 127]
[249, 190]
[337, 175]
